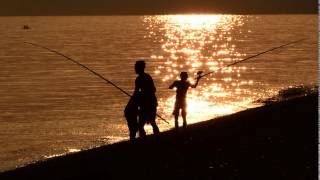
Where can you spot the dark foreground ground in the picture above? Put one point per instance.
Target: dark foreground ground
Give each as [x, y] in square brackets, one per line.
[277, 141]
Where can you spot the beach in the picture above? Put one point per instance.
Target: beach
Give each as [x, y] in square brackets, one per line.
[276, 141]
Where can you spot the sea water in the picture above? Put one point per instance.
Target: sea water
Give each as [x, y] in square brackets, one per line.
[50, 106]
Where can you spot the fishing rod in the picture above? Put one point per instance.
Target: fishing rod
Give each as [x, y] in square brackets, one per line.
[250, 57]
[88, 69]
[200, 73]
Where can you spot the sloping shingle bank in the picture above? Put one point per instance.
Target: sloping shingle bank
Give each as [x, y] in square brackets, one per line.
[277, 141]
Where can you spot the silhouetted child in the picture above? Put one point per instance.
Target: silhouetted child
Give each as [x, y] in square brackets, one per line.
[131, 115]
[181, 102]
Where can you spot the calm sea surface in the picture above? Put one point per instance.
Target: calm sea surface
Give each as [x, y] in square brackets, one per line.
[50, 106]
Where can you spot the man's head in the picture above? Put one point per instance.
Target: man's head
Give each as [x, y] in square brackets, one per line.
[184, 76]
[139, 66]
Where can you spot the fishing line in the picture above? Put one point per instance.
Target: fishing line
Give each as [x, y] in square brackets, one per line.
[90, 70]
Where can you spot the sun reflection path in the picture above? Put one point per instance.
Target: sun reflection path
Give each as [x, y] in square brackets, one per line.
[201, 42]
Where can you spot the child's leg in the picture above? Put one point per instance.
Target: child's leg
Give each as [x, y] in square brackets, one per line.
[176, 115]
[184, 117]
[176, 123]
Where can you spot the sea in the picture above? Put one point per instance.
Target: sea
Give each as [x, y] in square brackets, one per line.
[51, 106]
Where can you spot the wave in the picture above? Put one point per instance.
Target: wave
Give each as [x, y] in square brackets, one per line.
[290, 93]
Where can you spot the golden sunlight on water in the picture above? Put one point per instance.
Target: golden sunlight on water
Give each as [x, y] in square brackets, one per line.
[206, 43]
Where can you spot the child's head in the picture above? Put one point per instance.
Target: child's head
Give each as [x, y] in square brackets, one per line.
[184, 76]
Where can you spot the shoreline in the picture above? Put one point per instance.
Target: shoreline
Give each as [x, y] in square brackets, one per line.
[273, 141]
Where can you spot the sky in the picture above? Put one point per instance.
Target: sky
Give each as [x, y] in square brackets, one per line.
[115, 7]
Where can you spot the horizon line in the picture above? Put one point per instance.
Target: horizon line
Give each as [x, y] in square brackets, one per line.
[160, 14]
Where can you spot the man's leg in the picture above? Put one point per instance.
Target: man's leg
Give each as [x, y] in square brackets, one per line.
[133, 127]
[141, 123]
[155, 128]
[132, 132]
[153, 123]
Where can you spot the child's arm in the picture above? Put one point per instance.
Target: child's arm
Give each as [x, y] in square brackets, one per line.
[196, 84]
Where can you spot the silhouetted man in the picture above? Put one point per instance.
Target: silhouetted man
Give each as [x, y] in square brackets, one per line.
[146, 99]
[181, 97]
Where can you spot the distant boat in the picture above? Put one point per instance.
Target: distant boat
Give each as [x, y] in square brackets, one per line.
[25, 27]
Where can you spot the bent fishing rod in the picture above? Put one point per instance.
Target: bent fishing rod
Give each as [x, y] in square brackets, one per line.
[250, 57]
[88, 69]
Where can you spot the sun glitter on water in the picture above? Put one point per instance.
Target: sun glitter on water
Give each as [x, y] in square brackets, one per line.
[201, 42]
[194, 21]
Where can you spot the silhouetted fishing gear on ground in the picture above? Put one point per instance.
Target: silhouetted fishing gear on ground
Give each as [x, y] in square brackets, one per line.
[250, 57]
[90, 70]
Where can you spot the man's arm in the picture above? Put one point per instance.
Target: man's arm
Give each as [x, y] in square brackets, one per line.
[172, 85]
[154, 89]
[136, 88]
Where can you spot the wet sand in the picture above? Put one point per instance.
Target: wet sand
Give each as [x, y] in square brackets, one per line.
[277, 141]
